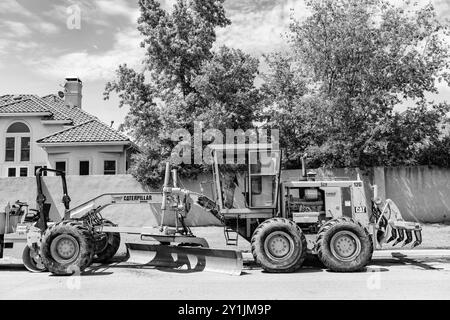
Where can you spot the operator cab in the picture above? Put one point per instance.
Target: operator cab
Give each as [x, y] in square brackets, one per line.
[255, 171]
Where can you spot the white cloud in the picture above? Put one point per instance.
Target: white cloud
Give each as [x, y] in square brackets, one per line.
[93, 66]
[46, 27]
[256, 31]
[12, 6]
[16, 29]
[118, 8]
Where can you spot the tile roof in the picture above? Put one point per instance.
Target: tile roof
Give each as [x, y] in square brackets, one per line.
[8, 98]
[56, 113]
[77, 115]
[86, 127]
[27, 105]
[91, 131]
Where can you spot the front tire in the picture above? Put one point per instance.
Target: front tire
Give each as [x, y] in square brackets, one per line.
[67, 247]
[344, 245]
[110, 248]
[279, 245]
[32, 260]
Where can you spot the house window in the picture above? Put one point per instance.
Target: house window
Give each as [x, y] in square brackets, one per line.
[84, 168]
[11, 172]
[18, 127]
[23, 172]
[109, 167]
[37, 167]
[17, 146]
[10, 148]
[61, 166]
[25, 149]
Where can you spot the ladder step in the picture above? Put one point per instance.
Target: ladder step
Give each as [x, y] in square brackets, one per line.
[231, 236]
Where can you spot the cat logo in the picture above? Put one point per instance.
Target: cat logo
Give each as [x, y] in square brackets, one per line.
[360, 209]
[143, 197]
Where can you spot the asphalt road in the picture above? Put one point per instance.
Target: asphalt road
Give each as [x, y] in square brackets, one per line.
[392, 275]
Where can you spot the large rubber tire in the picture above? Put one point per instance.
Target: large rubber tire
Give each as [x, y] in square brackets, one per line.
[344, 245]
[78, 242]
[31, 261]
[279, 245]
[112, 245]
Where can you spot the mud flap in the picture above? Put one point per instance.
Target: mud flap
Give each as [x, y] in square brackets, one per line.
[185, 259]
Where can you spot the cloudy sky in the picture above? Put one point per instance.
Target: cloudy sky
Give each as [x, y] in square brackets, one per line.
[40, 43]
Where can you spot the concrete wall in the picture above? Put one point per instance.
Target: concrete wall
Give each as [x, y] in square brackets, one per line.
[84, 188]
[422, 193]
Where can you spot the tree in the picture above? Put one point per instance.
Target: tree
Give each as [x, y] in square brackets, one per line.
[362, 59]
[225, 85]
[183, 80]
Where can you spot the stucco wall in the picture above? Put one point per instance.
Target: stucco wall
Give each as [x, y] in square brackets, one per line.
[422, 193]
[38, 157]
[96, 155]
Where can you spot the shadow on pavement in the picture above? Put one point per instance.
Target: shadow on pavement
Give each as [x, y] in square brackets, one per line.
[12, 267]
[399, 258]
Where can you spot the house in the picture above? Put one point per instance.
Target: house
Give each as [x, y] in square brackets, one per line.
[54, 131]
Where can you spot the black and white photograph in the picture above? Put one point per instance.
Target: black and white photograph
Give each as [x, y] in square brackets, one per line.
[224, 154]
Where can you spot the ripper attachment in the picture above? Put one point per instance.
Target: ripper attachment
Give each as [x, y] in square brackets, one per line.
[391, 227]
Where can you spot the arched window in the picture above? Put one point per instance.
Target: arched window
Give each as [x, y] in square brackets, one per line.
[17, 146]
[18, 127]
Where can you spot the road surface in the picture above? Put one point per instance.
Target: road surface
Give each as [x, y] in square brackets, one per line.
[391, 275]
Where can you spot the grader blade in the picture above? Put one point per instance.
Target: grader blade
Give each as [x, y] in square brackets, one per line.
[188, 259]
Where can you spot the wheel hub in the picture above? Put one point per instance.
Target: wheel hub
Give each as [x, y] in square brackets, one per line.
[64, 248]
[345, 246]
[279, 245]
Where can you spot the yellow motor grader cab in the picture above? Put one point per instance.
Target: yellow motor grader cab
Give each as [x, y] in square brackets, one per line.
[343, 227]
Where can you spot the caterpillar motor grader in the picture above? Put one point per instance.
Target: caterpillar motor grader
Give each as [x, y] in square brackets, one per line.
[83, 236]
[277, 217]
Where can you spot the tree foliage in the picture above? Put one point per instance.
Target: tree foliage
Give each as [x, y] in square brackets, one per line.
[353, 90]
[182, 81]
[359, 62]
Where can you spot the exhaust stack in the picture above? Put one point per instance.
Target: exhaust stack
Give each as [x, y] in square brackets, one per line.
[303, 165]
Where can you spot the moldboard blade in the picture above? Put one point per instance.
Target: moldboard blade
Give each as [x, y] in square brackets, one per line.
[186, 259]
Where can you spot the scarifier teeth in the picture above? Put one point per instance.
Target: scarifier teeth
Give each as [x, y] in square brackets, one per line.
[401, 237]
[418, 235]
[393, 235]
[409, 237]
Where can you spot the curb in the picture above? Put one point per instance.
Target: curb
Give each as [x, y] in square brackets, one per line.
[423, 254]
[393, 254]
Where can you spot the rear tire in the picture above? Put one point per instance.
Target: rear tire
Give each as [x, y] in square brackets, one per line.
[344, 245]
[279, 245]
[111, 247]
[67, 247]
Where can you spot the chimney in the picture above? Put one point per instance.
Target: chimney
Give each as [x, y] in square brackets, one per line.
[73, 94]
